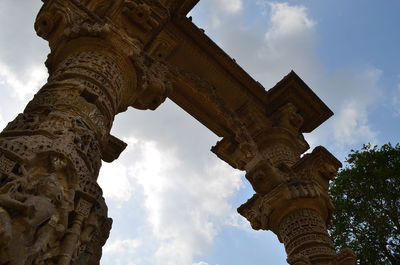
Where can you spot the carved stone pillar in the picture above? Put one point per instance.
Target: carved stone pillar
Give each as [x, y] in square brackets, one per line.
[291, 196]
[51, 207]
[292, 193]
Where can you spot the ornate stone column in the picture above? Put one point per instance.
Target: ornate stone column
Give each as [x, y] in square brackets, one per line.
[292, 193]
[51, 207]
[291, 196]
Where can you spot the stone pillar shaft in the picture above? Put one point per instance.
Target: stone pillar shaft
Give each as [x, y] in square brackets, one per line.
[304, 233]
[50, 155]
[55, 149]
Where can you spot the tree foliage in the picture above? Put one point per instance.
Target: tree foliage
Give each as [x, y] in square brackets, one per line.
[366, 195]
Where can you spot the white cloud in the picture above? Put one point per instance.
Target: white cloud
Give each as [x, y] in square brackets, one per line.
[351, 126]
[352, 94]
[230, 6]
[115, 182]
[185, 209]
[222, 6]
[200, 263]
[22, 53]
[287, 20]
[150, 171]
[23, 86]
[287, 43]
[120, 251]
[217, 11]
[2, 122]
[126, 246]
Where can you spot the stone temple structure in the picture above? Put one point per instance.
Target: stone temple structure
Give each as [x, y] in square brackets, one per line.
[108, 55]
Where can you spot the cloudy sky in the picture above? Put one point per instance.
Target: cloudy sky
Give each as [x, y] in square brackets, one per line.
[173, 202]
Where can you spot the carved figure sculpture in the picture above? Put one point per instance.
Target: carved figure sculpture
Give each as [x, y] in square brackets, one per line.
[41, 209]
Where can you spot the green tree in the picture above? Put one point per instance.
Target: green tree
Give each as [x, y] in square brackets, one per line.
[366, 195]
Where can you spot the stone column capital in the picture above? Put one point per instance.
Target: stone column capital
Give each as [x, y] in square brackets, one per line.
[117, 29]
[282, 189]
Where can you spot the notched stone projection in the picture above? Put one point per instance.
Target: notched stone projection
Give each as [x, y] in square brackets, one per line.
[107, 56]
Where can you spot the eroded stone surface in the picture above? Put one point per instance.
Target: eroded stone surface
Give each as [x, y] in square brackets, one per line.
[109, 55]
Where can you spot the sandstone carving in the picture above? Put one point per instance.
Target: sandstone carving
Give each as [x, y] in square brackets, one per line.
[107, 56]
